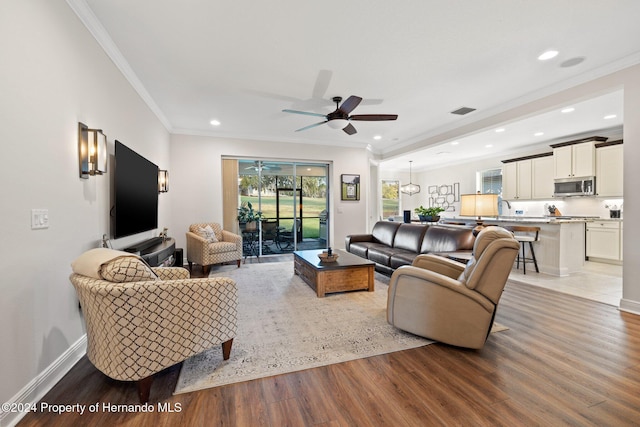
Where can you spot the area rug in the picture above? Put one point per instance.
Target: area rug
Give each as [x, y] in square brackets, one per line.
[284, 327]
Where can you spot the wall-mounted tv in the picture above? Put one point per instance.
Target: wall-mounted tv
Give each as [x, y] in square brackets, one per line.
[135, 193]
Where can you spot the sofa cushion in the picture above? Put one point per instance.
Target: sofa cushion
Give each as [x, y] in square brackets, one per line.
[385, 231]
[127, 269]
[447, 239]
[402, 257]
[362, 248]
[409, 237]
[381, 254]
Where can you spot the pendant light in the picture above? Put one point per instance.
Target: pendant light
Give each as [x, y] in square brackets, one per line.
[410, 188]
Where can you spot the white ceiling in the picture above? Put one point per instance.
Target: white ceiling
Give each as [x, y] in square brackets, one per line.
[242, 63]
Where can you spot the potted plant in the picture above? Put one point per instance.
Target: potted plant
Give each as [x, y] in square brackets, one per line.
[248, 216]
[429, 214]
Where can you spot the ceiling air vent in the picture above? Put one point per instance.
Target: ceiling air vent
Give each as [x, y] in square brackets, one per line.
[463, 110]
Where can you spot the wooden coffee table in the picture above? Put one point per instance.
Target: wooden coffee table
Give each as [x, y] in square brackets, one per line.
[348, 273]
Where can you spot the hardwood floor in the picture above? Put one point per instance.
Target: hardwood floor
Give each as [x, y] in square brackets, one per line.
[563, 361]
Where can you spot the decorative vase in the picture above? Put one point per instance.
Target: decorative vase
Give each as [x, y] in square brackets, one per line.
[251, 226]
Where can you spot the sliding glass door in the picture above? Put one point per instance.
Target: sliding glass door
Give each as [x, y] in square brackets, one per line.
[293, 197]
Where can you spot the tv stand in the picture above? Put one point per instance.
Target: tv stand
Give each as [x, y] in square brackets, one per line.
[156, 251]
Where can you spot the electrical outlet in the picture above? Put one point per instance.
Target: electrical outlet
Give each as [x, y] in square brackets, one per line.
[39, 218]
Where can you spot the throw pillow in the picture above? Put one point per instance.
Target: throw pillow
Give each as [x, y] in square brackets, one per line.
[208, 234]
[127, 269]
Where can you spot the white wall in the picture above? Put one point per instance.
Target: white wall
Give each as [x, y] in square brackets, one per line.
[53, 75]
[196, 180]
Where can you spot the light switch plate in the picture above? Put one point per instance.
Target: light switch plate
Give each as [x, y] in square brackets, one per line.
[39, 218]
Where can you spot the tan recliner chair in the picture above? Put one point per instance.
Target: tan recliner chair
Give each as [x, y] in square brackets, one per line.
[450, 302]
[223, 246]
[141, 320]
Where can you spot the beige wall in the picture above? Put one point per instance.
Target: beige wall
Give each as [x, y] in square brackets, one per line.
[196, 179]
[54, 74]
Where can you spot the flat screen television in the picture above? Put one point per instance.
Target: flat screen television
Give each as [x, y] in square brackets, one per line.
[135, 193]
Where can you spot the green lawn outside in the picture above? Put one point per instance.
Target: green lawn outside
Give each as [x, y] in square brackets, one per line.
[310, 211]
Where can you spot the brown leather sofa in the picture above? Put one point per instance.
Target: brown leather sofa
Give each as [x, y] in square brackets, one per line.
[394, 244]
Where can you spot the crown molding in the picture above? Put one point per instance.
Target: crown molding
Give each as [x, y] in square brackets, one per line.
[97, 30]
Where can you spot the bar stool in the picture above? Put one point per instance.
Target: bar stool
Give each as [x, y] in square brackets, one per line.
[524, 235]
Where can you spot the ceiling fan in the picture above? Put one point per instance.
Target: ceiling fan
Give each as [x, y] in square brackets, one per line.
[263, 166]
[340, 118]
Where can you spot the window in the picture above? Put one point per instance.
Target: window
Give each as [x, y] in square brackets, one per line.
[490, 181]
[390, 198]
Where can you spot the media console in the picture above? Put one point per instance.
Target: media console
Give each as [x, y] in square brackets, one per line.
[156, 251]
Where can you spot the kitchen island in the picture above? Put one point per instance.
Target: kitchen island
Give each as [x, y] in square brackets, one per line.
[560, 250]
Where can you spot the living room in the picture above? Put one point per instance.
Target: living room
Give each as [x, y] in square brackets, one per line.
[55, 74]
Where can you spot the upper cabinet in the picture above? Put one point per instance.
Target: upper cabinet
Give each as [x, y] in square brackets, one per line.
[527, 178]
[609, 169]
[574, 159]
[542, 177]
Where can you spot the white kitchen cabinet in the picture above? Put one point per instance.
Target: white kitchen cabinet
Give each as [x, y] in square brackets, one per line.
[516, 180]
[609, 166]
[542, 177]
[577, 160]
[604, 240]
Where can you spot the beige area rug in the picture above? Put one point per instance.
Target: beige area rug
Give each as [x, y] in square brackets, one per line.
[283, 327]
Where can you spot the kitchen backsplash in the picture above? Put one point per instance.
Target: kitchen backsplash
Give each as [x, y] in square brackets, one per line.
[571, 206]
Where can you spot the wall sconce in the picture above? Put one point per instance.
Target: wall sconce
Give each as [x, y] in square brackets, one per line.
[92, 151]
[163, 181]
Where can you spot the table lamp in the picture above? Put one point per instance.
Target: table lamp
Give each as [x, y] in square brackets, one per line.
[479, 205]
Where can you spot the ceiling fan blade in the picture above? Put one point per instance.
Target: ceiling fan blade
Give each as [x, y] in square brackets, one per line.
[311, 126]
[306, 113]
[374, 117]
[349, 129]
[350, 104]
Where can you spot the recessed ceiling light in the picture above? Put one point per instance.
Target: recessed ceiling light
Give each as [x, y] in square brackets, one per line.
[610, 116]
[377, 137]
[538, 134]
[500, 130]
[489, 145]
[455, 143]
[548, 55]
[567, 110]
[572, 62]
[215, 122]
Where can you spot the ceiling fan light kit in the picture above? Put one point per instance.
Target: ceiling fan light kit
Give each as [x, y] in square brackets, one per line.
[340, 118]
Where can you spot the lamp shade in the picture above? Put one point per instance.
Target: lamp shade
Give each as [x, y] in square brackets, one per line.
[479, 205]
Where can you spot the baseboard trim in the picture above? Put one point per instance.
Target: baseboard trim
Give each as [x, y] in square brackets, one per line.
[630, 306]
[38, 387]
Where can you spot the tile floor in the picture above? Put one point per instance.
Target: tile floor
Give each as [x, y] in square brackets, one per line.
[597, 281]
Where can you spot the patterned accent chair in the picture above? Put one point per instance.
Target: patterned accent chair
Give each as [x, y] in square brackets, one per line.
[141, 320]
[223, 246]
[447, 301]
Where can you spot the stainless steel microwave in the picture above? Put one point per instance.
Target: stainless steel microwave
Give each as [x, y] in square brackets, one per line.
[564, 187]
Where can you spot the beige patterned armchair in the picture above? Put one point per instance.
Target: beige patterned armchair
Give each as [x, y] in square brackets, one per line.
[212, 248]
[141, 320]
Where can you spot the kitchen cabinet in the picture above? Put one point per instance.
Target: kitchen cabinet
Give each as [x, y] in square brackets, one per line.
[516, 180]
[609, 167]
[604, 240]
[542, 177]
[575, 160]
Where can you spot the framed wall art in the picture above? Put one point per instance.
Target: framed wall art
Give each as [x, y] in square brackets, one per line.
[350, 187]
